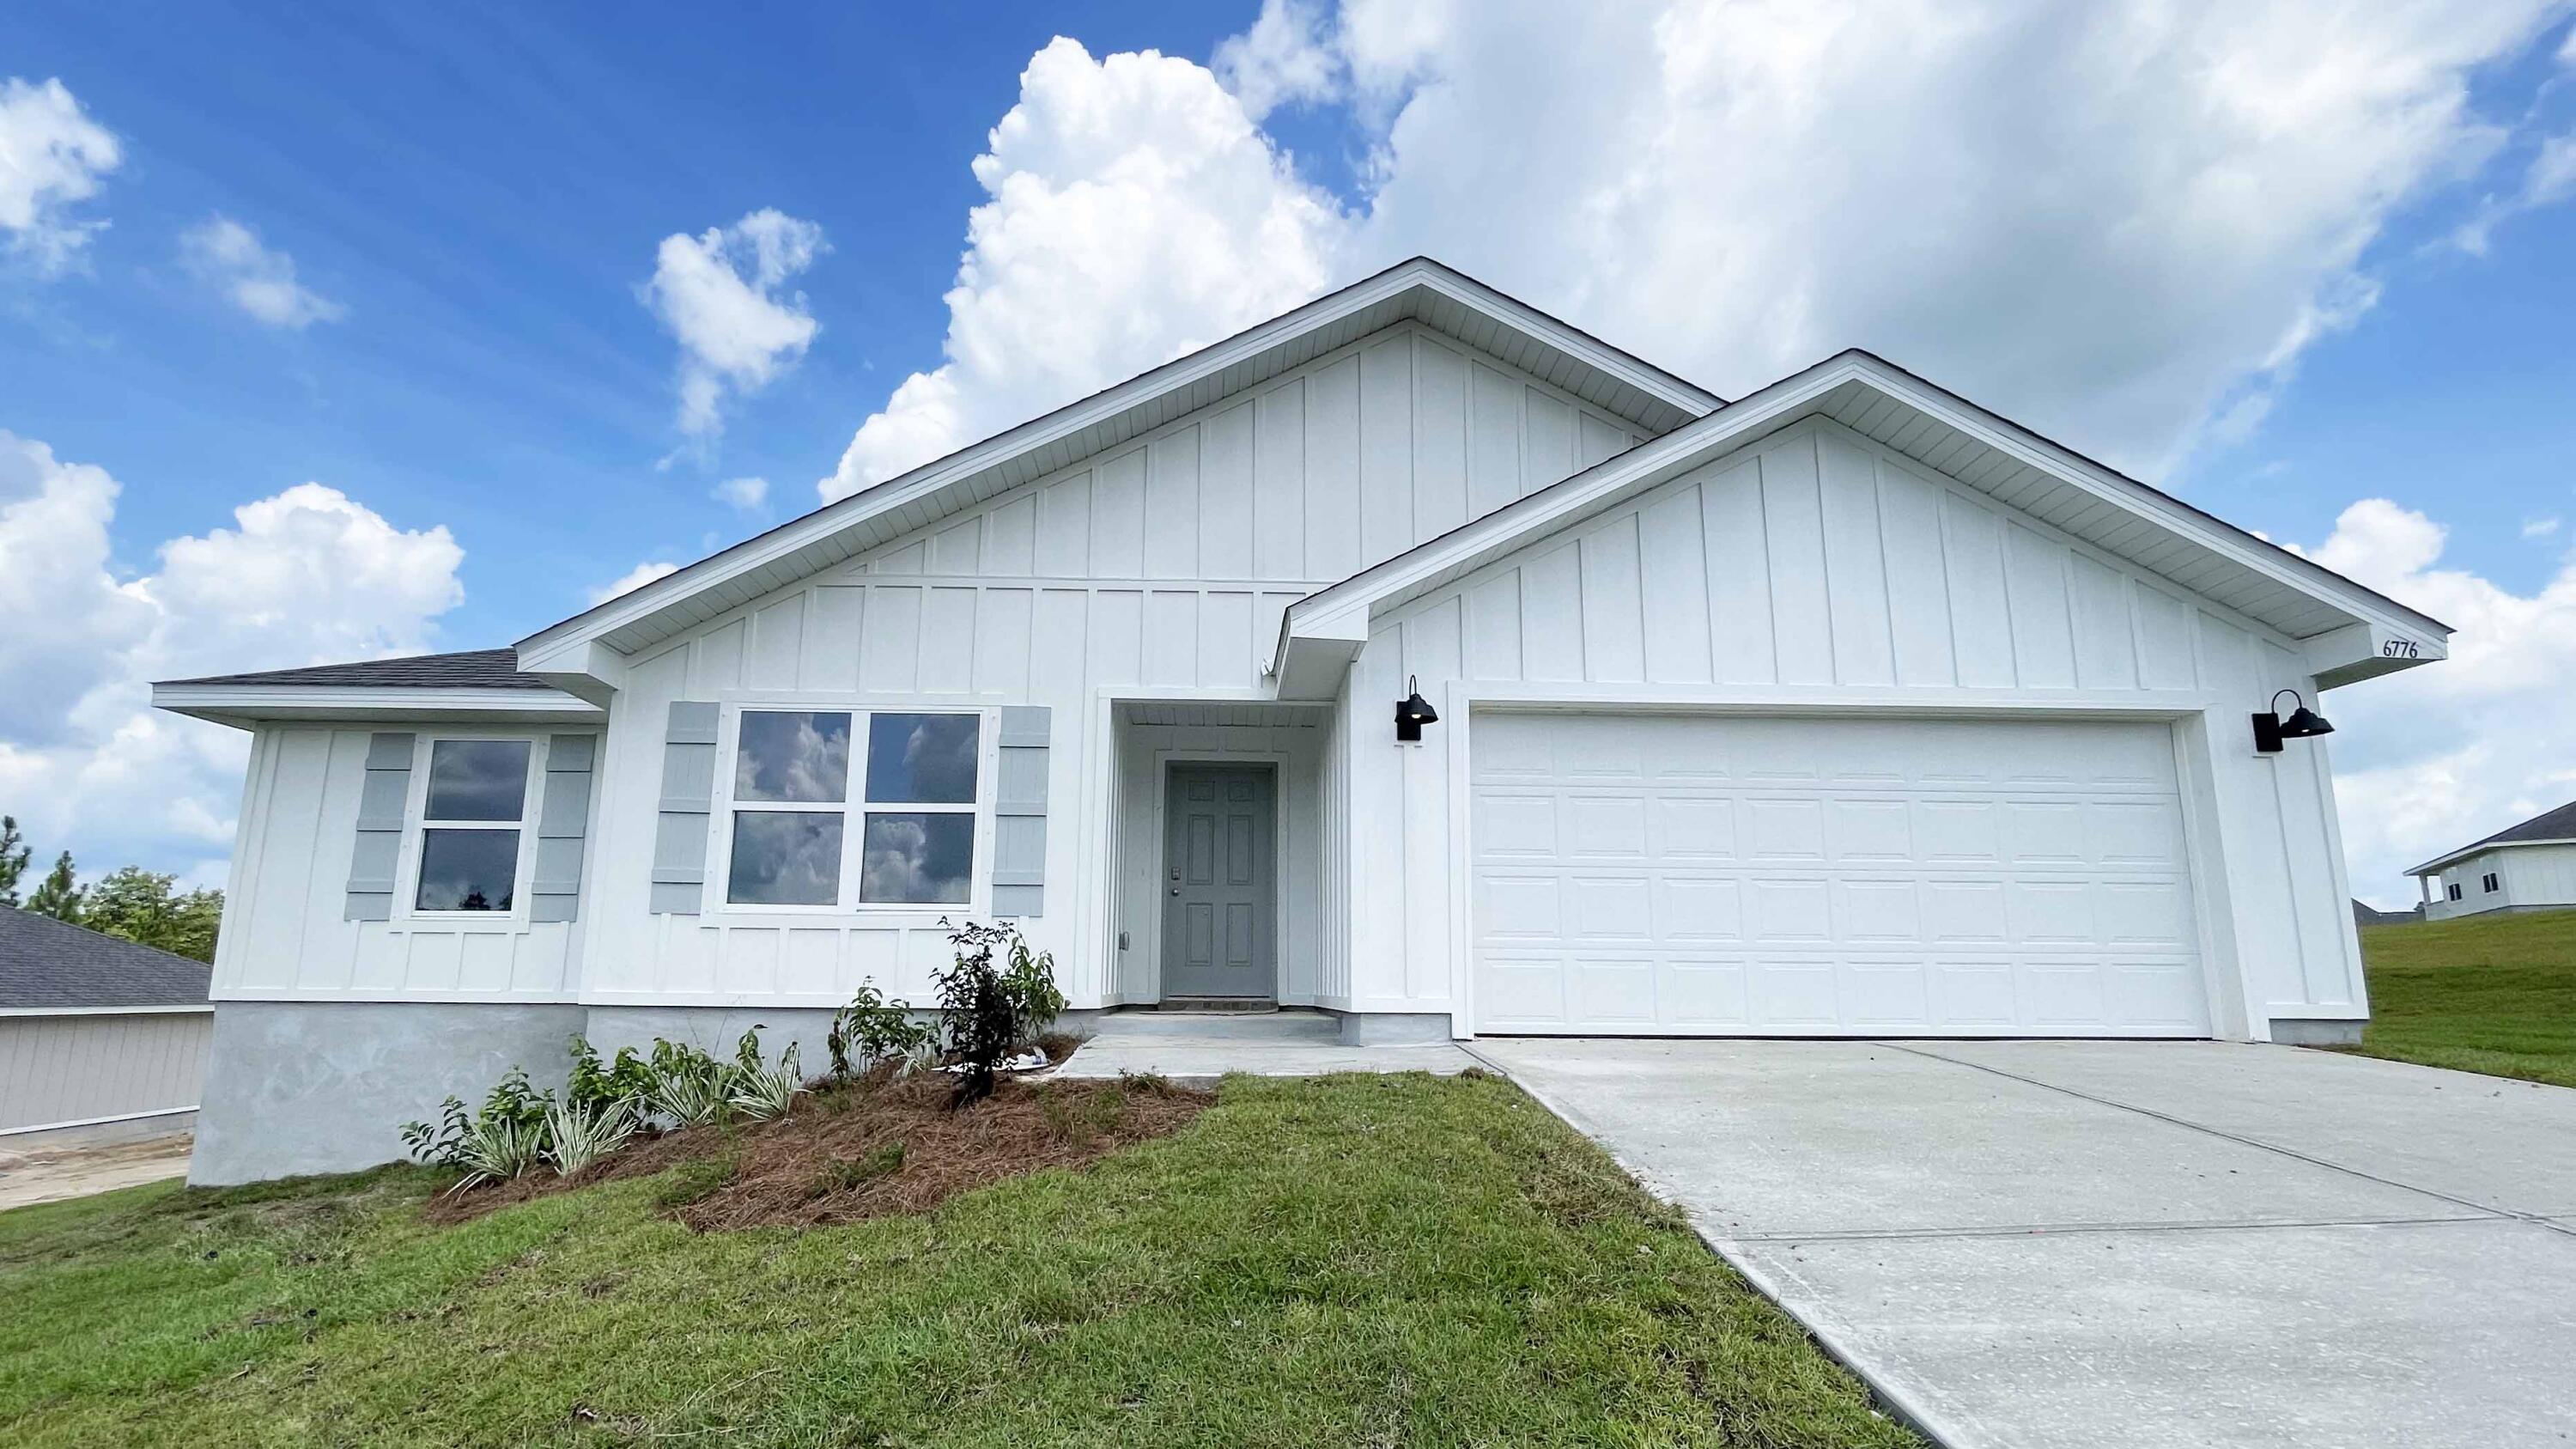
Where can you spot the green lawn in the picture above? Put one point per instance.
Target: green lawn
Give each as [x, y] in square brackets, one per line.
[2494, 994]
[1355, 1260]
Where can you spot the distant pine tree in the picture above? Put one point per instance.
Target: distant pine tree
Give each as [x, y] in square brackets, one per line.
[13, 859]
[56, 895]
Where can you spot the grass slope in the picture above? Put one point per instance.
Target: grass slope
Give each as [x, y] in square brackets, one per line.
[2493, 994]
[1355, 1260]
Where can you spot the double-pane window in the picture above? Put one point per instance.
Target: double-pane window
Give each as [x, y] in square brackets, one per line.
[471, 815]
[918, 786]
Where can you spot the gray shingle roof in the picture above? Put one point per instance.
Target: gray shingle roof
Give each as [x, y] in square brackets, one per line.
[2558, 824]
[471, 669]
[47, 963]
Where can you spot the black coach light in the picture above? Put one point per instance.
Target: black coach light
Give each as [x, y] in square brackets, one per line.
[1413, 712]
[2303, 724]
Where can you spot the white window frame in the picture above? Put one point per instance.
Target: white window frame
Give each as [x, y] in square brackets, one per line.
[417, 825]
[853, 810]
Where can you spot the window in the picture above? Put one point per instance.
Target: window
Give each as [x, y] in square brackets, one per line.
[2490, 882]
[919, 794]
[2455, 891]
[472, 809]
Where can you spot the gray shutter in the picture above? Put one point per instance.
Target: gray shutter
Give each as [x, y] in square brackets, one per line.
[563, 818]
[688, 795]
[1019, 813]
[381, 801]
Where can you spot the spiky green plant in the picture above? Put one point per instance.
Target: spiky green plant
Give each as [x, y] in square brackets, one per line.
[764, 1093]
[580, 1134]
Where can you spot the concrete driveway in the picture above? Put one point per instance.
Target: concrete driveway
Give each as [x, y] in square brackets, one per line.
[2125, 1243]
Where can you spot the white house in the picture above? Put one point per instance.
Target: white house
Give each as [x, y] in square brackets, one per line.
[1844, 708]
[2526, 867]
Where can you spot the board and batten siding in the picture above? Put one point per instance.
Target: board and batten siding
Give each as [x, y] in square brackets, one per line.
[285, 935]
[1158, 567]
[2527, 877]
[1820, 560]
[72, 1068]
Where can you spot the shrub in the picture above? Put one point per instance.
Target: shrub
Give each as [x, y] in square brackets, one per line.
[759, 1092]
[872, 1029]
[1029, 980]
[976, 1008]
[580, 1133]
[498, 1149]
[511, 1113]
[592, 1085]
[689, 1087]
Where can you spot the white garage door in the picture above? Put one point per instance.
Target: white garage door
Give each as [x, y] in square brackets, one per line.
[1800, 877]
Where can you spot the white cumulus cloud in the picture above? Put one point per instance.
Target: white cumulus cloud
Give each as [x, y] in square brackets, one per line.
[723, 296]
[2437, 756]
[631, 580]
[51, 156]
[229, 257]
[305, 576]
[1133, 212]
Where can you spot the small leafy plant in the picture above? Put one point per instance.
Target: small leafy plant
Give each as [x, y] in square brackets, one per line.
[689, 1087]
[1028, 979]
[764, 1093]
[872, 1029]
[594, 1085]
[580, 1134]
[513, 1113]
[499, 1149]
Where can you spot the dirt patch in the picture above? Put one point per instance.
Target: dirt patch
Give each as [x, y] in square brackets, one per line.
[867, 1149]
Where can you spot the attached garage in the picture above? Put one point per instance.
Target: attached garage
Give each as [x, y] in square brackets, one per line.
[1736, 874]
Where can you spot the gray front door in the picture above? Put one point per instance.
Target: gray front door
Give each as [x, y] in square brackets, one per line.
[1218, 874]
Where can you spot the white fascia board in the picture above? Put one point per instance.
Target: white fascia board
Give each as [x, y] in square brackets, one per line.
[1793, 398]
[241, 705]
[546, 652]
[2440, 863]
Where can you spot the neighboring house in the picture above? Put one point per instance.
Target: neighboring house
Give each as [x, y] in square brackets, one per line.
[99, 1038]
[1845, 708]
[2364, 914]
[2526, 867]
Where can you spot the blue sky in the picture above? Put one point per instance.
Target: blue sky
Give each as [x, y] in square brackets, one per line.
[2277, 276]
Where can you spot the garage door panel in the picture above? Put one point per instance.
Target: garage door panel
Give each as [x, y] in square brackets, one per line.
[1738, 874]
[1608, 908]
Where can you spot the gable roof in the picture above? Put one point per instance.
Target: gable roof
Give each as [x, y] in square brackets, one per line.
[2549, 827]
[50, 965]
[2301, 599]
[1421, 290]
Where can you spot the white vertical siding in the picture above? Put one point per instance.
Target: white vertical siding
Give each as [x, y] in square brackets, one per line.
[1821, 559]
[284, 937]
[56, 1070]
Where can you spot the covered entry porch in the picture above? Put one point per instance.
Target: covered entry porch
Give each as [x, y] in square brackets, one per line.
[1218, 862]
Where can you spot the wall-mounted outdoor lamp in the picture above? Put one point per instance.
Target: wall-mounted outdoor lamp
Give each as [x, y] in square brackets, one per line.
[2304, 723]
[1413, 712]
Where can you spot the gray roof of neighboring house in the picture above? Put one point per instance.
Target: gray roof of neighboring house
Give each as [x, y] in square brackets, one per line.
[471, 669]
[2558, 824]
[50, 964]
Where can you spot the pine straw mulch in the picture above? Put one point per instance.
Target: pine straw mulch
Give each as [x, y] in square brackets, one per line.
[878, 1146]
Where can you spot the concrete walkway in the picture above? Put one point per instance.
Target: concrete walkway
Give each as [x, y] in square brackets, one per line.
[2125, 1243]
[1191, 1047]
[52, 1175]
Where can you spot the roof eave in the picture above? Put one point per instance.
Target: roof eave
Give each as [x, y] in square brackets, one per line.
[242, 706]
[2439, 863]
